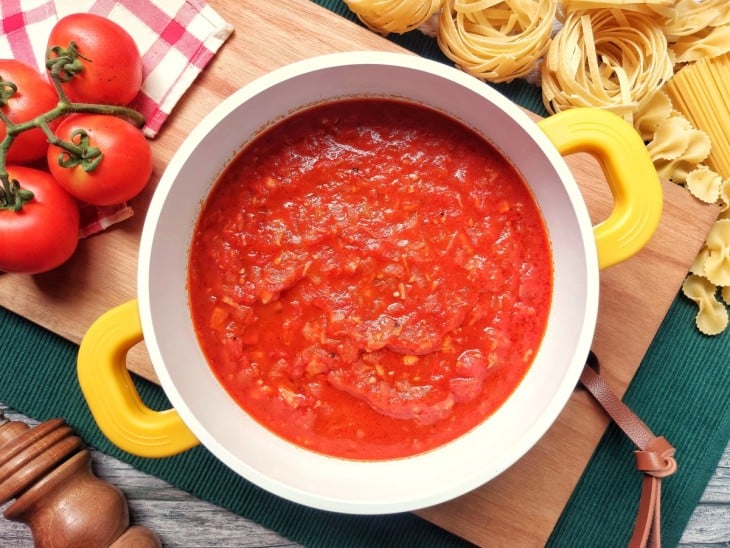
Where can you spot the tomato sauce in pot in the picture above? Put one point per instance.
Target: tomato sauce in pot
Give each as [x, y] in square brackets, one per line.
[370, 279]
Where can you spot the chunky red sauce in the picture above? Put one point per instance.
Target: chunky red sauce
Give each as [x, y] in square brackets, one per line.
[370, 279]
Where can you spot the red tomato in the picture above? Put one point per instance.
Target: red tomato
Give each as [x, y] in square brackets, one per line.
[34, 96]
[44, 233]
[111, 66]
[125, 166]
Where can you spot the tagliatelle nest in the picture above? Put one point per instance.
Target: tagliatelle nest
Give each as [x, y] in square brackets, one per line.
[698, 29]
[605, 58]
[400, 16]
[654, 8]
[496, 40]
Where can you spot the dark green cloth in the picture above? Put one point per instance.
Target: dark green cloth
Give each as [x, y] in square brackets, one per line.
[681, 391]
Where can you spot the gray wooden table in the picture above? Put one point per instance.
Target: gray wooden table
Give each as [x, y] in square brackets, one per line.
[182, 520]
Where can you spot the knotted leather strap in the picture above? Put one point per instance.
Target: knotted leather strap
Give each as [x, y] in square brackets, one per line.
[654, 457]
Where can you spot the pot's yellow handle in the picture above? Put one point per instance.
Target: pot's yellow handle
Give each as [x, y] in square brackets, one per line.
[112, 397]
[629, 171]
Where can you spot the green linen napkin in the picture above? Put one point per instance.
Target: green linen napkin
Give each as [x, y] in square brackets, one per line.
[681, 391]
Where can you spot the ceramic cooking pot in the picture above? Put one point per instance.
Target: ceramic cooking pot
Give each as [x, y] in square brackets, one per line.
[204, 413]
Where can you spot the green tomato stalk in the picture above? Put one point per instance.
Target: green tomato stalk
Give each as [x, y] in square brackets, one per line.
[62, 66]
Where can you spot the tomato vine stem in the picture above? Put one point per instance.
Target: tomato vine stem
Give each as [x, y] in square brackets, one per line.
[61, 69]
[77, 152]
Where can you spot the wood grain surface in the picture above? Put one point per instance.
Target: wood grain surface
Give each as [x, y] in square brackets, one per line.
[523, 504]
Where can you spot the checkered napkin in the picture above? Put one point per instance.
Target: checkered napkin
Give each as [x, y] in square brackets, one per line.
[177, 38]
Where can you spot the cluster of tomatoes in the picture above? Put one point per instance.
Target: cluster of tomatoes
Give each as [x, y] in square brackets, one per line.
[67, 138]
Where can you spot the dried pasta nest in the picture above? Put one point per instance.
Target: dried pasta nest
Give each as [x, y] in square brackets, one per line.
[496, 40]
[698, 30]
[400, 16]
[654, 8]
[605, 58]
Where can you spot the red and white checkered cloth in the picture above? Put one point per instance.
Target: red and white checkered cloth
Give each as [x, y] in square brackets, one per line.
[177, 39]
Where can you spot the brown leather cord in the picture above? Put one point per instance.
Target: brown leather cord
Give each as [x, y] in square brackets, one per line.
[654, 457]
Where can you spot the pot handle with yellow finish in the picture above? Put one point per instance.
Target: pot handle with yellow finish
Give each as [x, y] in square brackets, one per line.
[629, 171]
[111, 395]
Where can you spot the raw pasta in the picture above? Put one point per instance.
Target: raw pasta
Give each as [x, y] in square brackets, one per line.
[665, 8]
[724, 199]
[677, 148]
[605, 58]
[725, 294]
[656, 108]
[693, 16]
[712, 267]
[717, 263]
[698, 29]
[712, 316]
[704, 184]
[399, 16]
[703, 45]
[671, 139]
[698, 265]
[496, 40]
[701, 92]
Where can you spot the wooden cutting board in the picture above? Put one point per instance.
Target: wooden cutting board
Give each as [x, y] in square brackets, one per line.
[521, 506]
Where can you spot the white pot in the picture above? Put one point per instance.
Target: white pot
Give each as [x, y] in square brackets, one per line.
[203, 411]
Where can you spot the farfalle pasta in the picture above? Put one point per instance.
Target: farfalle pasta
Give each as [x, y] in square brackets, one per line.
[704, 184]
[712, 316]
[698, 265]
[712, 267]
[678, 148]
[399, 16]
[605, 58]
[717, 263]
[671, 139]
[724, 199]
[496, 40]
[652, 111]
[725, 294]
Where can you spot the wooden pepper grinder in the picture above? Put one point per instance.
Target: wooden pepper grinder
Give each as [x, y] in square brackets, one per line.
[47, 470]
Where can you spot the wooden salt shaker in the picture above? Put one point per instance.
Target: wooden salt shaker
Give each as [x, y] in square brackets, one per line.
[47, 471]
